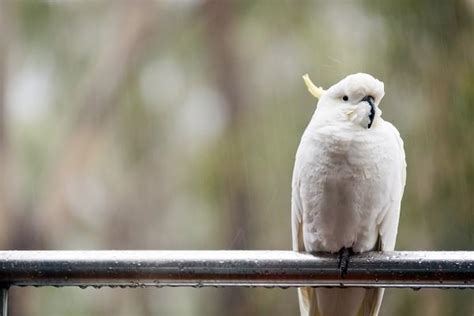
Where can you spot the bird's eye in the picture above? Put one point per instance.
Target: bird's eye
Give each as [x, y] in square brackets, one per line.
[345, 98]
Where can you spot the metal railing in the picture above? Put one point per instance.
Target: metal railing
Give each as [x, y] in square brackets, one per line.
[414, 269]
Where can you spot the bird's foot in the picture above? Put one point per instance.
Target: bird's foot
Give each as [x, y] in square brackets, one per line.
[343, 260]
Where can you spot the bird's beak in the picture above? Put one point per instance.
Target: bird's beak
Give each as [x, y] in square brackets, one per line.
[370, 99]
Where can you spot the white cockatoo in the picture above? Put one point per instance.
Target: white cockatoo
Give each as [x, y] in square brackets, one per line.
[347, 187]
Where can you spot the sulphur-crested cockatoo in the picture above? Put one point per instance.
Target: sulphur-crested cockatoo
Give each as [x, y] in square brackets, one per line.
[347, 186]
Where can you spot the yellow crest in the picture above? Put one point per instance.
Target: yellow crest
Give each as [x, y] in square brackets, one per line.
[317, 92]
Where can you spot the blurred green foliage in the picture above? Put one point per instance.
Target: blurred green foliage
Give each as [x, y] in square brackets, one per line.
[174, 124]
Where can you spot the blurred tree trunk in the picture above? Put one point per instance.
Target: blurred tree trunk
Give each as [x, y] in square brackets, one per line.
[235, 223]
[95, 103]
[4, 204]
[14, 226]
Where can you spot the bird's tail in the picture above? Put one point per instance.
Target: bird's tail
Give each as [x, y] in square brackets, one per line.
[335, 302]
[308, 302]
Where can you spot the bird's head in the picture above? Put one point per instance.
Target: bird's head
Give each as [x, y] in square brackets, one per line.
[354, 99]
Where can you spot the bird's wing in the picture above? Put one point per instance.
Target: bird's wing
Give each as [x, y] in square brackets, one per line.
[306, 295]
[297, 218]
[389, 223]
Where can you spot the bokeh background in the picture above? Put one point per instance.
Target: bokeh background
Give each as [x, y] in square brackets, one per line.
[174, 125]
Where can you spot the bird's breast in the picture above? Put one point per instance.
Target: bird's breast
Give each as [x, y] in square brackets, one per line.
[339, 182]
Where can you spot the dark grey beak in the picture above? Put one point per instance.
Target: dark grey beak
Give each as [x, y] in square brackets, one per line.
[370, 99]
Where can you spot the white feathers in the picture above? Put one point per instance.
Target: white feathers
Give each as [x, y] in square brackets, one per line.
[359, 115]
[357, 86]
[348, 182]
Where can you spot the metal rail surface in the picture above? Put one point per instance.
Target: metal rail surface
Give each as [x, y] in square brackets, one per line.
[416, 269]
